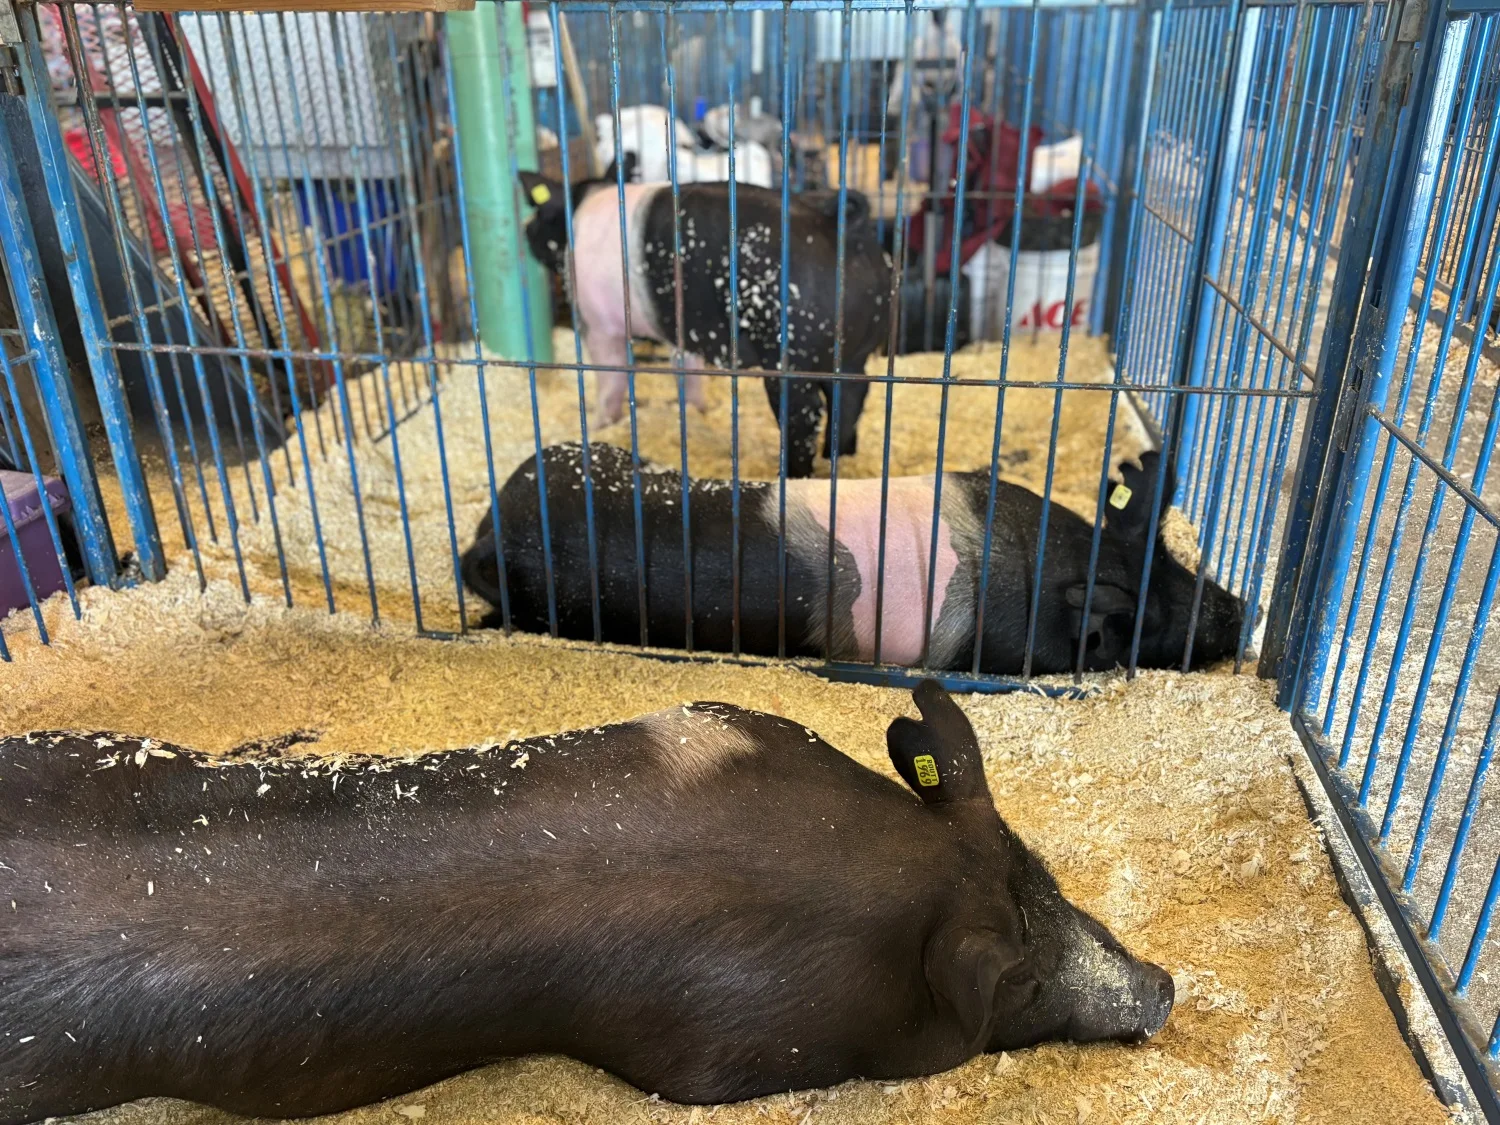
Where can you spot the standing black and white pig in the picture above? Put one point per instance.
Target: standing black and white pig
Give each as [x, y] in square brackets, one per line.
[908, 554]
[711, 903]
[707, 327]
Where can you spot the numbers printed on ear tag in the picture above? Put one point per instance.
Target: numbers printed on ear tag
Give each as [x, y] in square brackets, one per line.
[1120, 496]
[927, 771]
[540, 194]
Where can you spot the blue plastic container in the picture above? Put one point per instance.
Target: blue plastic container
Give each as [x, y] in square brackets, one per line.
[338, 218]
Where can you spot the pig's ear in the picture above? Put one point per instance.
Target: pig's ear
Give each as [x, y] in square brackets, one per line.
[938, 757]
[1108, 601]
[612, 173]
[539, 189]
[1127, 511]
[979, 973]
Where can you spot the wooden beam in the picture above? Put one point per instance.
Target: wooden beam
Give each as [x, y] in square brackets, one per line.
[580, 96]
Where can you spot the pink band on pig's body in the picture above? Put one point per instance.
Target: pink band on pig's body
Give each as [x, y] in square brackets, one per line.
[599, 284]
[907, 551]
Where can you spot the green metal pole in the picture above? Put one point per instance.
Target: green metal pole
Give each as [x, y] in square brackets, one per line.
[500, 265]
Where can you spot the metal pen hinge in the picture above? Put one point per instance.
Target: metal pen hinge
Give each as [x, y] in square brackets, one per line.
[1351, 405]
[10, 71]
[1365, 351]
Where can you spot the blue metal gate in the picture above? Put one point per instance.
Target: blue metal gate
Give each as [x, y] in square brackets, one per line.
[1247, 152]
[1390, 670]
[57, 534]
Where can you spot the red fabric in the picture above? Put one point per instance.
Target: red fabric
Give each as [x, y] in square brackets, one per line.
[993, 162]
[77, 141]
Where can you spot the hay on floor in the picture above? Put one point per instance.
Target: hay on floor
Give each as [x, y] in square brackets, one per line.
[1165, 806]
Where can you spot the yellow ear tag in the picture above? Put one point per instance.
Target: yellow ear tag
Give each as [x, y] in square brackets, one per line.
[1119, 497]
[927, 771]
[540, 194]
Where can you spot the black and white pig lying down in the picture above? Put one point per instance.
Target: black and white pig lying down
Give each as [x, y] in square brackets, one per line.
[711, 903]
[707, 327]
[908, 534]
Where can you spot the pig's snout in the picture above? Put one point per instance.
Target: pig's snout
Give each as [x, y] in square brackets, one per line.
[1157, 995]
[1142, 1011]
[1111, 995]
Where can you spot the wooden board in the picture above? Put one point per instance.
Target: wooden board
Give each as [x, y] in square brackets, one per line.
[304, 5]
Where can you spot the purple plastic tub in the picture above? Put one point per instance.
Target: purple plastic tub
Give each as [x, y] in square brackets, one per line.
[36, 540]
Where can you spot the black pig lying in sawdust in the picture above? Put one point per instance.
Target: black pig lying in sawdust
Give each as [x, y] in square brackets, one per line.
[884, 545]
[711, 903]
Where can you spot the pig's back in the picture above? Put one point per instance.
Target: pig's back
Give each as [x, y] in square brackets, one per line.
[557, 894]
[811, 282]
[711, 507]
[79, 821]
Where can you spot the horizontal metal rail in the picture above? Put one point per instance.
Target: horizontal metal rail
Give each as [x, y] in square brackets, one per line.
[1167, 221]
[422, 358]
[1300, 365]
[1447, 476]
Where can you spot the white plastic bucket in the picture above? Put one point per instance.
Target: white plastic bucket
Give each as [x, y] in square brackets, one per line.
[1041, 300]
